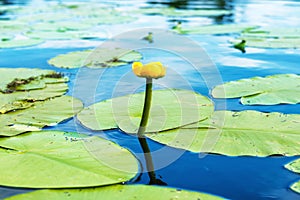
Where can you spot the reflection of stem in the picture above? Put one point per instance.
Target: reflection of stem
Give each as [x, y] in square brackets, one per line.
[142, 128]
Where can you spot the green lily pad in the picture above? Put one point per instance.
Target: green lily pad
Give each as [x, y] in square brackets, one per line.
[284, 43]
[54, 159]
[169, 109]
[215, 29]
[12, 26]
[273, 32]
[294, 166]
[270, 90]
[243, 133]
[25, 99]
[172, 12]
[111, 19]
[61, 26]
[145, 192]
[51, 35]
[19, 43]
[24, 75]
[97, 58]
[42, 113]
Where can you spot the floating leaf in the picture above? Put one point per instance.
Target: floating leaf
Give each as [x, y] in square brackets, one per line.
[19, 43]
[215, 29]
[52, 35]
[169, 109]
[145, 192]
[270, 90]
[97, 58]
[238, 133]
[53, 159]
[25, 99]
[24, 74]
[294, 167]
[273, 32]
[44, 113]
[61, 26]
[172, 12]
[12, 26]
[270, 42]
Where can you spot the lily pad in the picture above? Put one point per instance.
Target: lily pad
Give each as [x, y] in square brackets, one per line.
[25, 99]
[54, 159]
[43, 113]
[97, 58]
[61, 26]
[172, 12]
[169, 109]
[291, 43]
[250, 133]
[273, 32]
[19, 43]
[294, 167]
[215, 29]
[270, 90]
[52, 35]
[10, 75]
[144, 192]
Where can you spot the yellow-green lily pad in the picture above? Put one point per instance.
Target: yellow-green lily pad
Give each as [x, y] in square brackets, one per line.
[215, 29]
[294, 167]
[283, 43]
[172, 12]
[25, 99]
[250, 133]
[169, 109]
[270, 90]
[54, 159]
[19, 43]
[145, 192]
[42, 113]
[273, 32]
[21, 76]
[97, 58]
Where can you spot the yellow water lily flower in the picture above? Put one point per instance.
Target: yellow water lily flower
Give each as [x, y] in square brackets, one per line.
[151, 70]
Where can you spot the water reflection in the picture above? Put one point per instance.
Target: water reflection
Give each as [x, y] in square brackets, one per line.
[200, 4]
[12, 2]
[195, 4]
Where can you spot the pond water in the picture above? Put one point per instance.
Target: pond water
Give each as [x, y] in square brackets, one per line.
[230, 177]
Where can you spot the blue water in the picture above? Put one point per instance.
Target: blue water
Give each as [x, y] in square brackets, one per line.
[231, 177]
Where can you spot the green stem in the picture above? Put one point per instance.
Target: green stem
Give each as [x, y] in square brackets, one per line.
[142, 128]
[146, 109]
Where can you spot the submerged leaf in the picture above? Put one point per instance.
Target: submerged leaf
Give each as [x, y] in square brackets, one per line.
[97, 58]
[44, 113]
[238, 133]
[270, 90]
[169, 109]
[54, 159]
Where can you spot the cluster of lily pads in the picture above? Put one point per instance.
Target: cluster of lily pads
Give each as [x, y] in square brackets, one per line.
[188, 120]
[34, 158]
[64, 21]
[52, 21]
[32, 99]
